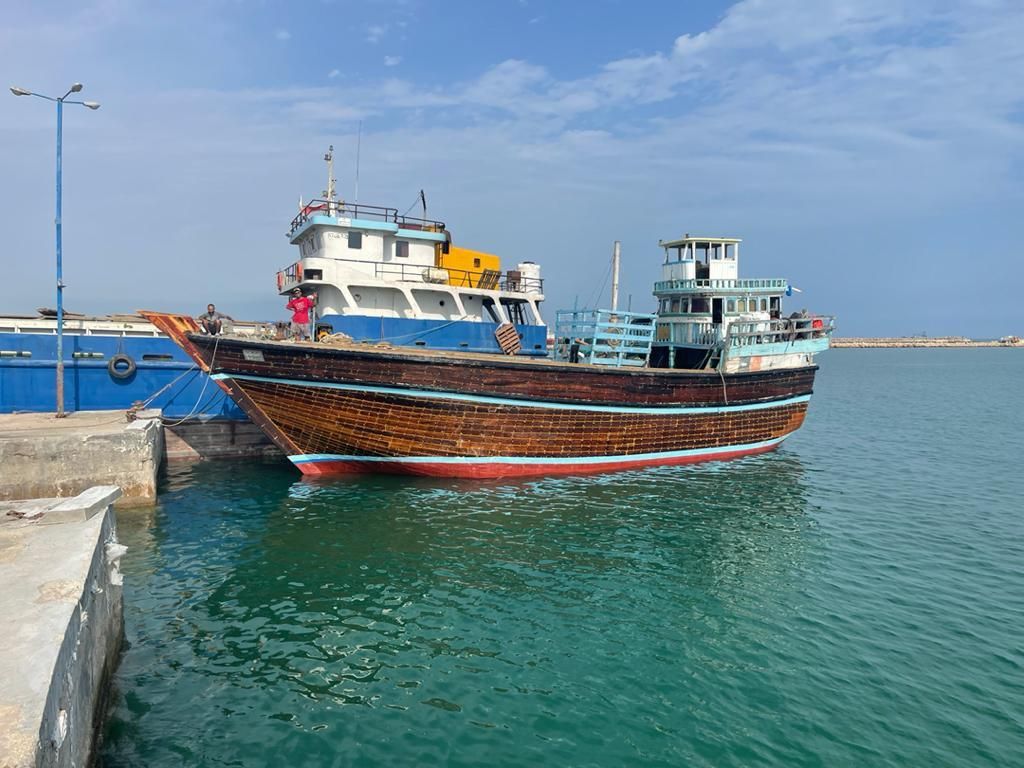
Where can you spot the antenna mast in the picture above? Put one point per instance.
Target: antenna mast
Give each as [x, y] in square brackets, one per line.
[616, 252]
[331, 181]
[359, 146]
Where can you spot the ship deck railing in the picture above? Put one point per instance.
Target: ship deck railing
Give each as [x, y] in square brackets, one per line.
[779, 330]
[512, 281]
[773, 285]
[341, 209]
[603, 337]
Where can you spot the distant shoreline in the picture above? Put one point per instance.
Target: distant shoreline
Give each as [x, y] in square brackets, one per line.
[919, 342]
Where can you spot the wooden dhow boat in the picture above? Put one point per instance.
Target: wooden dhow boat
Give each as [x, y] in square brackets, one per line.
[345, 407]
[716, 373]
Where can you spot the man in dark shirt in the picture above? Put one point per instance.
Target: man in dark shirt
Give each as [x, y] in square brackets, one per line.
[212, 322]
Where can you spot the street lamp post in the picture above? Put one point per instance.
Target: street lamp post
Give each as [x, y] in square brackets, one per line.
[60, 273]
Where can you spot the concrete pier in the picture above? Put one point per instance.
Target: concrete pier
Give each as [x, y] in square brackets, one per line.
[41, 456]
[62, 611]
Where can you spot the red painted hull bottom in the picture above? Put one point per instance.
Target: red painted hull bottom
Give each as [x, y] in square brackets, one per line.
[496, 470]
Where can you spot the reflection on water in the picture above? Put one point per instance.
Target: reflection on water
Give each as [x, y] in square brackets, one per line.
[261, 603]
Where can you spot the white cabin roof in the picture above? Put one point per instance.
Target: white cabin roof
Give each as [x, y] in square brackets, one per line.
[691, 239]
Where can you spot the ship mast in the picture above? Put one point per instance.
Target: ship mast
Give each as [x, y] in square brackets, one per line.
[329, 193]
[616, 253]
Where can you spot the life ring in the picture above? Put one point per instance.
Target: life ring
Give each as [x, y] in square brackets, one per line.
[298, 271]
[121, 366]
[280, 281]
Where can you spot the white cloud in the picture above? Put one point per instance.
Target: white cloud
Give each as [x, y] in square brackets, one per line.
[334, 73]
[283, 34]
[375, 33]
[392, 61]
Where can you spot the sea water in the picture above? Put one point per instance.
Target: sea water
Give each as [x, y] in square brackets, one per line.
[854, 598]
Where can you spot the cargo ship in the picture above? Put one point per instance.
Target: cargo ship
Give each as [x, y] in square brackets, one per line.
[382, 276]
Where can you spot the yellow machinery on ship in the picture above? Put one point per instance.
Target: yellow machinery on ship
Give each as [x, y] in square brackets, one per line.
[467, 268]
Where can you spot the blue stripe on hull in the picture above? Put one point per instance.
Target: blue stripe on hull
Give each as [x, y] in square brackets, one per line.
[461, 335]
[516, 403]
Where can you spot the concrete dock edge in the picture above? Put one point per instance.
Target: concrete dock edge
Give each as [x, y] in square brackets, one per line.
[63, 603]
[41, 456]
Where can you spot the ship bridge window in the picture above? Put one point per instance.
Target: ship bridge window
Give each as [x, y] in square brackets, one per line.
[764, 305]
[675, 305]
[730, 305]
[355, 240]
[401, 249]
[699, 305]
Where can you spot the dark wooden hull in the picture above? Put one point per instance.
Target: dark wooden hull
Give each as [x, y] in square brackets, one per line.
[344, 409]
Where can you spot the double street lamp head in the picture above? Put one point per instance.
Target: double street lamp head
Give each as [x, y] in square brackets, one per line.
[75, 88]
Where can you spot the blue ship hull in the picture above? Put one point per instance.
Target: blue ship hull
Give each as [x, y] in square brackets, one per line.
[28, 365]
[460, 335]
[28, 376]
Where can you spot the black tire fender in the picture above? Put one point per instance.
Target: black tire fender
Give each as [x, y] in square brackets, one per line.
[121, 366]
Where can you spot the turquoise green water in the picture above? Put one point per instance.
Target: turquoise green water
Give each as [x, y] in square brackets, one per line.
[855, 598]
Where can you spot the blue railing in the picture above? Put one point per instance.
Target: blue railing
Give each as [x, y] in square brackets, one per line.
[784, 330]
[764, 284]
[603, 337]
[341, 209]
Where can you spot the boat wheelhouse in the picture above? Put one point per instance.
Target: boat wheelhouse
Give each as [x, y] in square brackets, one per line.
[383, 276]
[709, 317]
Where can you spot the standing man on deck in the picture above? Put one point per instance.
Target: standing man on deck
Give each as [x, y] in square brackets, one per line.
[300, 306]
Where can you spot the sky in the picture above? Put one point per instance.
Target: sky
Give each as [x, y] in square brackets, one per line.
[869, 151]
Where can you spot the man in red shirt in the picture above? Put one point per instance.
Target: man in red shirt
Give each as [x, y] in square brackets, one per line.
[300, 306]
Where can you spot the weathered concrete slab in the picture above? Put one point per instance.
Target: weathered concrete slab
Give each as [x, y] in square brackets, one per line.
[41, 456]
[63, 626]
[198, 440]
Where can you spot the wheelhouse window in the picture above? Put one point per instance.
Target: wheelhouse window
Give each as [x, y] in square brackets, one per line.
[401, 249]
[699, 305]
[730, 305]
[355, 240]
